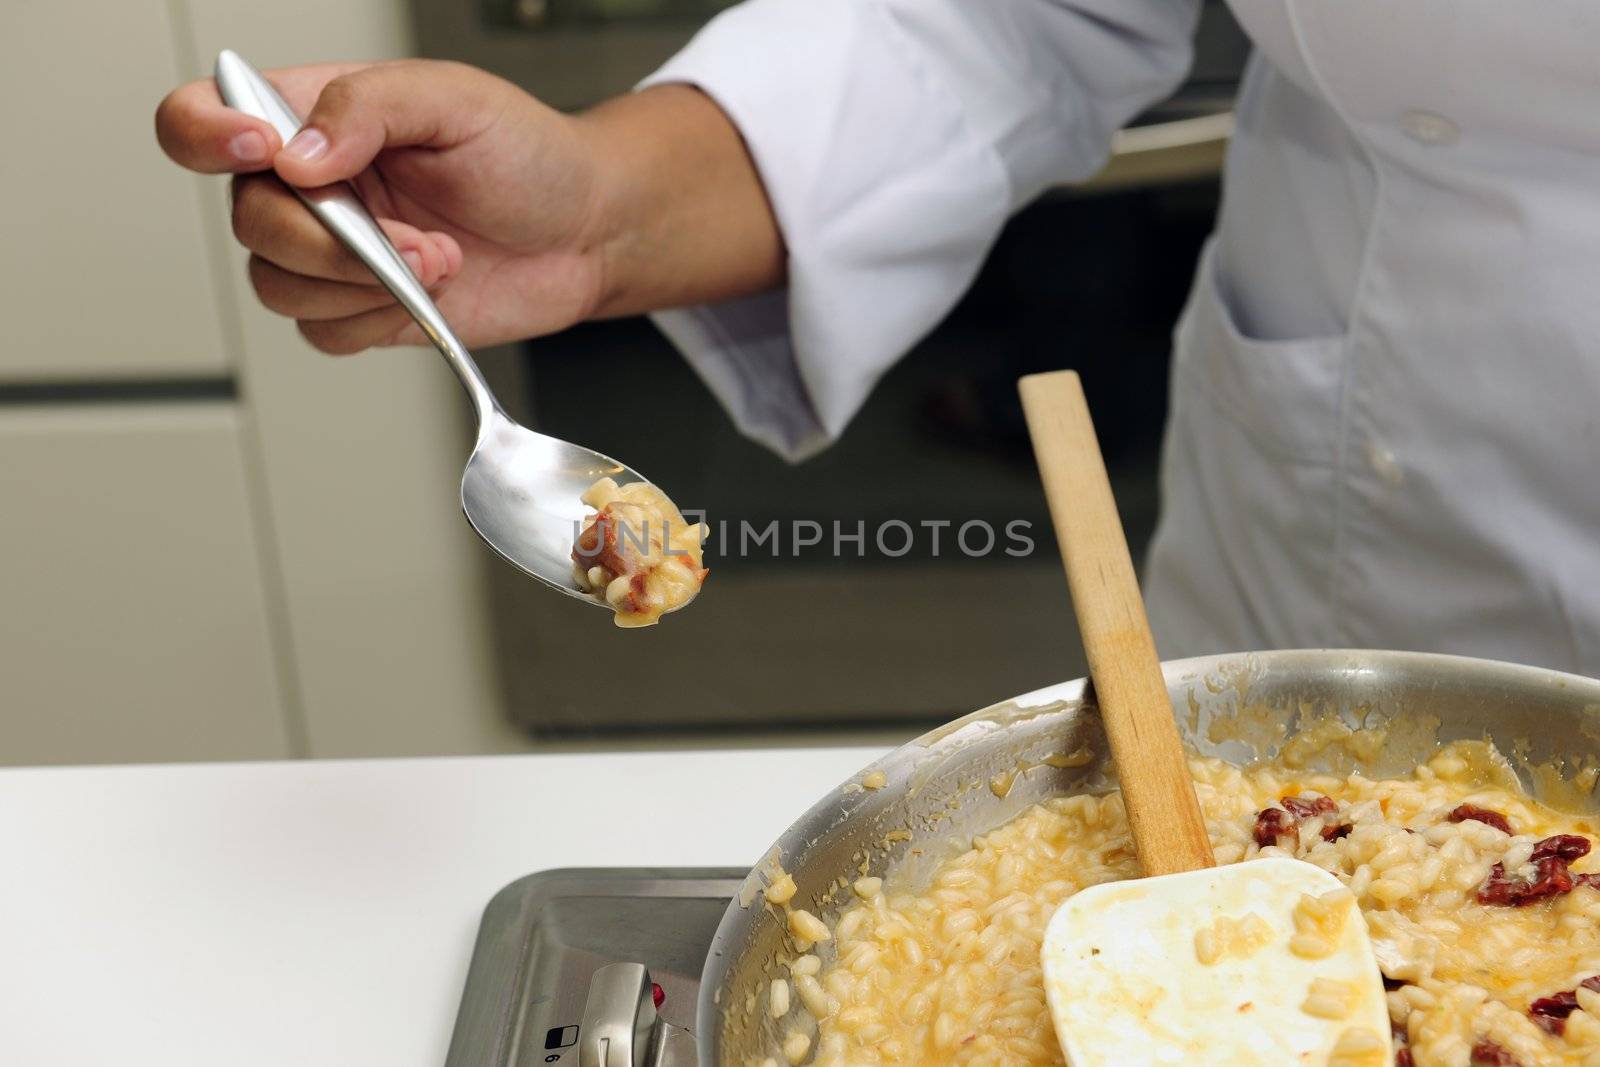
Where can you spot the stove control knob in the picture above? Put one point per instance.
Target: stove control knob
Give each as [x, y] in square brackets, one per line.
[619, 1018]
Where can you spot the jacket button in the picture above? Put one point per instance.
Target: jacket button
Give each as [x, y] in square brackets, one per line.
[1385, 465]
[1425, 127]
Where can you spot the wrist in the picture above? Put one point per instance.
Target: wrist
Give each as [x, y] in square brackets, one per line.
[609, 227]
[621, 143]
[680, 215]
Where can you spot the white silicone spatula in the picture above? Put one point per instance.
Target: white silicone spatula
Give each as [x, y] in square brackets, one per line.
[1261, 964]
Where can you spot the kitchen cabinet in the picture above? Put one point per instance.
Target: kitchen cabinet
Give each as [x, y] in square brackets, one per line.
[383, 582]
[214, 543]
[134, 619]
[104, 252]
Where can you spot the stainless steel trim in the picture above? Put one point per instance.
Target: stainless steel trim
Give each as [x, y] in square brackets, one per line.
[1165, 153]
[1170, 136]
[618, 1019]
[544, 936]
[673, 1047]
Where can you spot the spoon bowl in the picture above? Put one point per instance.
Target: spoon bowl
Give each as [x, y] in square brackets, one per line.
[521, 490]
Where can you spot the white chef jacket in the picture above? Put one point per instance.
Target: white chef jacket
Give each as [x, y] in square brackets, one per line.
[1384, 427]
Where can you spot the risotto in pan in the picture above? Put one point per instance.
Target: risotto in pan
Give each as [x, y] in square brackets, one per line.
[1481, 907]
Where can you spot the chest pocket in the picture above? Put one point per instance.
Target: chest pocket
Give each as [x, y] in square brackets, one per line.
[1283, 396]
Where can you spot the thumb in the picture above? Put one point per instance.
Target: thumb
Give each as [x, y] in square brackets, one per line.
[392, 105]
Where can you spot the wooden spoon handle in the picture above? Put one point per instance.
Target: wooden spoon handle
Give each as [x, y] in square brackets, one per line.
[1163, 813]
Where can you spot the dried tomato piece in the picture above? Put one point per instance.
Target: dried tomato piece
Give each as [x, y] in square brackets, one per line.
[1590, 880]
[1565, 847]
[1464, 812]
[1397, 1031]
[1334, 833]
[1273, 824]
[1550, 879]
[1497, 888]
[1490, 1054]
[1307, 807]
[1551, 1012]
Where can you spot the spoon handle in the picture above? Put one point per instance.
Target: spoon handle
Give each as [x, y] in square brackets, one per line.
[347, 218]
[1169, 831]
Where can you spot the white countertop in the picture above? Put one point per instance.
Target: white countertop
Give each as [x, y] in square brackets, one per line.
[323, 913]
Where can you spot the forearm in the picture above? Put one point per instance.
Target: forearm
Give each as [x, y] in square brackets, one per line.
[683, 217]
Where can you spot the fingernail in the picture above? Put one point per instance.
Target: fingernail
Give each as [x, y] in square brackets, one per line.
[414, 261]
[248, 147]
[307, 145]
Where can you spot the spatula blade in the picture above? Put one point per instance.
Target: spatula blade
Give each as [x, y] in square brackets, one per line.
[1203, 968]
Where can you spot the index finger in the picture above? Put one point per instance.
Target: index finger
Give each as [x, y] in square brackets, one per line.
[198, 131]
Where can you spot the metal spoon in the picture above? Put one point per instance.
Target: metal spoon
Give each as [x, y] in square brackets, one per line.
[521, 489]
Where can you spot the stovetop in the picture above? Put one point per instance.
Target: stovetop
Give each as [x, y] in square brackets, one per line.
[565, 961]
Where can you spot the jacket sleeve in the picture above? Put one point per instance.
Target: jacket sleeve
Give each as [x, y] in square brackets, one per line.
[894, 138]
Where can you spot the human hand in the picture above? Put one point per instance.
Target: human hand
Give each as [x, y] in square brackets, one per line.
[489, 195]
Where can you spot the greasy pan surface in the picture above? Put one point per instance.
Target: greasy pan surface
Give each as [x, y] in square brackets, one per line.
[1239, 708]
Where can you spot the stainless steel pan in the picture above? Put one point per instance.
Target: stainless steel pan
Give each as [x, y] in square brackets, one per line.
[948, 784]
